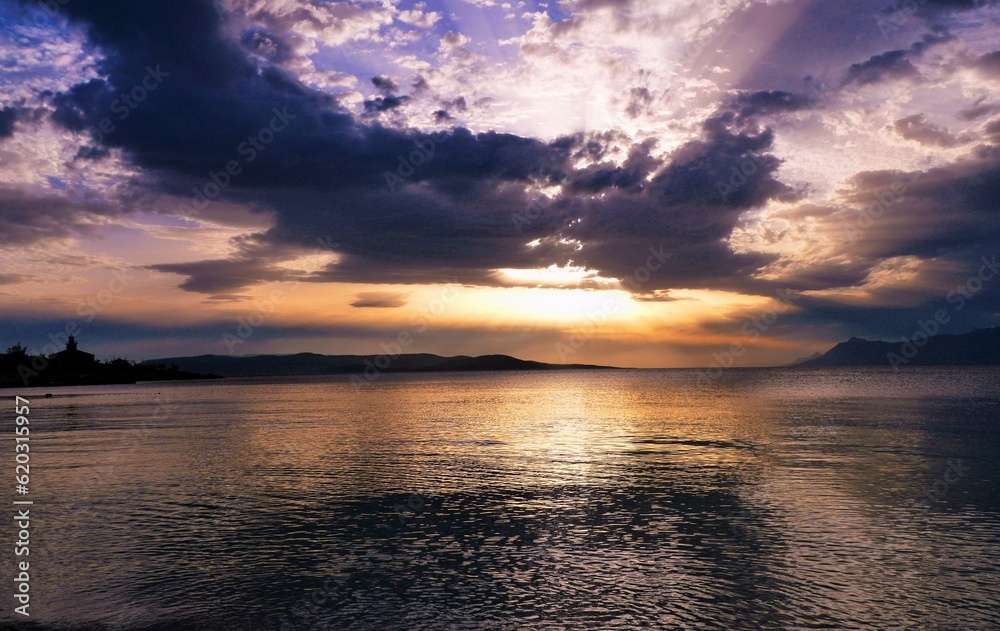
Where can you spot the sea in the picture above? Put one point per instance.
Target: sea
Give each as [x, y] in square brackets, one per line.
[841, 498]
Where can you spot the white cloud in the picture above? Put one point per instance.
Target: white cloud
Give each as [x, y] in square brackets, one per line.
[418, 17]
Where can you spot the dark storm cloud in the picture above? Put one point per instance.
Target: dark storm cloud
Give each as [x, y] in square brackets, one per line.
[826, 38]
[601, 175]
[894, 64]
[92, 153]
[749, 105]
[384, 84]
[978, 110]
[379, 300]
[221, 298]
[26, 218]
[210, 102]
[940, 212]
[943, 218]
[458, 104]
[880, 318]
[957, 5]
[211, 98]
[639, 102]
[655, 296]
[8, 116]
[716, 162]
[74, 108]
[352, 268]
[452, 213]
[917, 128]
[266, 45]
[420, 84]
[685, 211]
[256, 260]
[992, 130]
[384, 104]
[953, 4]
[989, 64]
[833, 321]
[223, 276]
[12, 279]
[829, 275]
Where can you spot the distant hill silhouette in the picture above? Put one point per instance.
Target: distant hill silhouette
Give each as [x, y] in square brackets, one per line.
[315, 364]
[976, 348]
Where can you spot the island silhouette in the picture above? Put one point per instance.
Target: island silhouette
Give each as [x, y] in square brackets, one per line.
[73, 367]
[363, 367]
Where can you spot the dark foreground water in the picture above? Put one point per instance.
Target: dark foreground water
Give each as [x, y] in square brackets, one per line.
[833, 499]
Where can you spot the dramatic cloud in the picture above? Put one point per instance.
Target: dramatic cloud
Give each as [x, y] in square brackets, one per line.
[11, 279]
[221, 276]
[7, 117]
[384, 104]
[918, 129]
[28, 218]
[379, 300]
[753, 104]
[729, 150]
[384, 84]
[894, 64]
[989, 64]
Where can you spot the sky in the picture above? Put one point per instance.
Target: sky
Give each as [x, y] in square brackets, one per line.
[627, 182]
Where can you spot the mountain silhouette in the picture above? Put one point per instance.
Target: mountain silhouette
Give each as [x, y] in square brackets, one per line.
[976, 348]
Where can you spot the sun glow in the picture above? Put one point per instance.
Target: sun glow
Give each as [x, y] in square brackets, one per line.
[554, 276]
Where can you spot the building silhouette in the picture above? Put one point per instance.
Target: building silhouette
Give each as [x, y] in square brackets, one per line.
[72, 358]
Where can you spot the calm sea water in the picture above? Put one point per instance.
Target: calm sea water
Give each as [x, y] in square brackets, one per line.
[833, 499]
